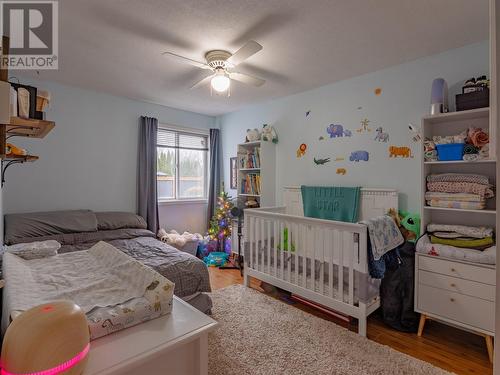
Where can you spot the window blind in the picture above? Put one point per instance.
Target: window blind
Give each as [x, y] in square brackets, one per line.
[181, 140]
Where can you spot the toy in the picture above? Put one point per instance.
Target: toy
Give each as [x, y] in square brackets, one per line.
[321, 161]
[216, 259]
[364, 126]
[12, 150]
[269, 134]
[408, 223]
[359, 155]
[381, 136]
[178, 240]
[251, 203]
[337, 130]
[51, 338]
[285, 242]
[341, 171]
[252, 135]
[301, 151]
[403, 151]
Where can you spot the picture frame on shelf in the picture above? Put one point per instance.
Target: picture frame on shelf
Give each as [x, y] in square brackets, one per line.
[233, 172]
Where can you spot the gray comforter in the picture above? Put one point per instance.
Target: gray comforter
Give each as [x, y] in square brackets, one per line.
[189, 273]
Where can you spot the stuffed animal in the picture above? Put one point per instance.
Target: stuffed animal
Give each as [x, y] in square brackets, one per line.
[178, 240]
[252, 135]
[269, 134]
[12, 150]
[408, 223]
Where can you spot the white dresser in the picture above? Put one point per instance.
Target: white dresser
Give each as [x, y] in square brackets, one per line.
[173, 344]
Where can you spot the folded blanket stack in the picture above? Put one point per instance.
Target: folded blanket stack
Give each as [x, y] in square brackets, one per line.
[430, 153]
[462, 236]
[457, 190]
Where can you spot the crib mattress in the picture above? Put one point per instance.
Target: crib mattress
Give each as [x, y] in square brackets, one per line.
[487, 256]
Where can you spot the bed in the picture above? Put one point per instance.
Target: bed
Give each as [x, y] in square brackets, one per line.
[79, 230]
[323, 261]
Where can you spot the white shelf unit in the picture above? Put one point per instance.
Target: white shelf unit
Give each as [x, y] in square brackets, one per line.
[266, 170]
[441, 284]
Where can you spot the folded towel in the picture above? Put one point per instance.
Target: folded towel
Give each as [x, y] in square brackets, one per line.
[461, 187]
[331, 203]
[384, 235]
[456, 204]
[459, 177]
[476, 243]
[465, 230]
[471, 157]
[458, 197]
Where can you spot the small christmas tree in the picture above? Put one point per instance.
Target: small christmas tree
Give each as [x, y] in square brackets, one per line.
[220, 225]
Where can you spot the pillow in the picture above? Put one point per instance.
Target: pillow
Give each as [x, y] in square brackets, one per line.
[119, 220]
[34, 250]
[38, 224]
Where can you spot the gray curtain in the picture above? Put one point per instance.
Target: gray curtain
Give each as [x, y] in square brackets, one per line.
[147, 200]
[215, 173]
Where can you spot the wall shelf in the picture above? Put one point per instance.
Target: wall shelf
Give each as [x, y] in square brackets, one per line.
[20, 127]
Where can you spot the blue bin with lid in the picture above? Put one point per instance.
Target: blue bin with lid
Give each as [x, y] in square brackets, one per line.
[450, 151]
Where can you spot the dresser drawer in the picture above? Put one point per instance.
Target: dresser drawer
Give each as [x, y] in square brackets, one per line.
[457, 285]
[464, 309]
[461, 270]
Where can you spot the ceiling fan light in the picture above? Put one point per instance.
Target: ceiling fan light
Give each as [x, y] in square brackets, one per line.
[220, 82]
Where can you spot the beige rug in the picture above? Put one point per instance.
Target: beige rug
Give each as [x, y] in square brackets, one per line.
[260, 335]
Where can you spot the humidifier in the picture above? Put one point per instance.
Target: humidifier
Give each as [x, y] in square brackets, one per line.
[48, 339]
[439, 96]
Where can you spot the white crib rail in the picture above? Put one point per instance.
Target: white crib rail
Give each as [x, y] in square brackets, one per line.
[314, 249]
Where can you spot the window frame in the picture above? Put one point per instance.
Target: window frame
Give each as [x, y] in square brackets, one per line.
[178, 130]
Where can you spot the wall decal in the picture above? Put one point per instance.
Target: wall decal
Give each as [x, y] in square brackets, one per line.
[341, 171]
[403, 151]
[415, 133]
[308, 113]
[339, 158]
[301, 151]
[337, 130]
[364, 126]
[381, 135]
[321, 161]
[321, 138]
[377, 91]
[359, 155]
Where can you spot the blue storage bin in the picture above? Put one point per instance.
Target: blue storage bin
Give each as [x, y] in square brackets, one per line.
[451, 151]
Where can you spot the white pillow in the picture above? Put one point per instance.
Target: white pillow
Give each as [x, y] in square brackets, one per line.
[34, 250]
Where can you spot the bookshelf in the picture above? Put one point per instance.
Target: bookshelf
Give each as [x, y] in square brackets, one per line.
[257, 172]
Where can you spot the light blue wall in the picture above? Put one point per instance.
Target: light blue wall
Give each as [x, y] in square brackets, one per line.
[405, 99]
[89, 160]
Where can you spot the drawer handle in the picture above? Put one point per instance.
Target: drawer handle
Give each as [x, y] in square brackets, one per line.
[452, 299]
[453, 285]
[453, 270]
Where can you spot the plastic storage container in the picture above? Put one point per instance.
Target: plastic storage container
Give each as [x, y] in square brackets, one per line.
[451, 151]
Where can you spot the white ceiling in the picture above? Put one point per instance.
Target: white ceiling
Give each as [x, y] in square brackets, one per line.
[115, 46]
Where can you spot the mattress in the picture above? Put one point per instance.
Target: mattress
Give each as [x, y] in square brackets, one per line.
[115, 292]
[487, 256]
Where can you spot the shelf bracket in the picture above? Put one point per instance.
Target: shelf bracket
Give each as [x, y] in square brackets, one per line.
[7, 164]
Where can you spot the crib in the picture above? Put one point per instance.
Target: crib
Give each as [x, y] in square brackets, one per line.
[323, 261]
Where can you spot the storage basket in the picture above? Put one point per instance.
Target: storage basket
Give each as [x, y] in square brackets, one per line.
[450, 151]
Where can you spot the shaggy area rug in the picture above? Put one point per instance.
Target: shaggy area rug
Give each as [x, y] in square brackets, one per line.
[260, 335]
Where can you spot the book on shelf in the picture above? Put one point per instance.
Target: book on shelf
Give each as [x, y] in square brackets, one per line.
[250, 184]
[251, 159]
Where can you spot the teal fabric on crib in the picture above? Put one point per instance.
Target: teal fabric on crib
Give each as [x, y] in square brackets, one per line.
[331, 202]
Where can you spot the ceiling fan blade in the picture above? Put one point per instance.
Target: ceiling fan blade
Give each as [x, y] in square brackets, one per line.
[202, 82]
[187, 60]
[245, 78]
[249, 49]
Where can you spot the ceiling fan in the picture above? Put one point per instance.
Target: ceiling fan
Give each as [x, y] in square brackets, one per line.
[222, 63]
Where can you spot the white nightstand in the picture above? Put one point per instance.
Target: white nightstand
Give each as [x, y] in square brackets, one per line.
[176, 343]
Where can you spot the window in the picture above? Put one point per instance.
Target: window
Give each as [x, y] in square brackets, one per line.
[181, 165]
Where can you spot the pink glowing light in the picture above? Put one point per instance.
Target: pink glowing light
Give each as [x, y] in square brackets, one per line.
[58, 369]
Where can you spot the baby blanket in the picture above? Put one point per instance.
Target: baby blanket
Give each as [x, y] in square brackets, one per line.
[461, 187]
[464, 230]
[456, 204]
[458, 197]
[331, 203]
[458, 177]
[384, 235]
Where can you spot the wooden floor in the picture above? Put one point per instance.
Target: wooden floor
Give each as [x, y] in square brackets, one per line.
[446, 347]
